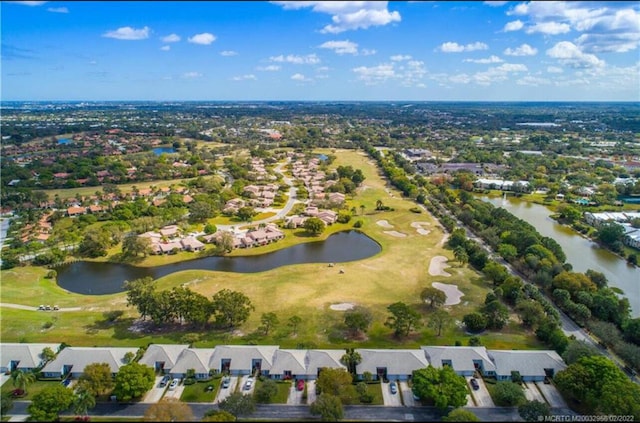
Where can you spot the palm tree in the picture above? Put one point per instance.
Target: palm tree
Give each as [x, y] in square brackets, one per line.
[361, 208]
[83, 402]
[351, 359]
[461, 254]
[379, 205]
[22, 379]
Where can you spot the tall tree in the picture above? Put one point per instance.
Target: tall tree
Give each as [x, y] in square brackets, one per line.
[403, 319]
[132, 381]
[439, 320]
[534, 411]
[83, 402]
[314, 226]
[47, 404]
[460, 415]
[508, 394]
[21, 379]
[433, 296]
[443, 386]
[294, 322]
[269, 321]
[351, 359]
[97, 379]
[238, 404]
[358, 319]
[329, 407]
[169, 410]
[140, 293]
[231, 308]
[335, 381]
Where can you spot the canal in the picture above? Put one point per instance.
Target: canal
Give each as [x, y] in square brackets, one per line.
[582, 253]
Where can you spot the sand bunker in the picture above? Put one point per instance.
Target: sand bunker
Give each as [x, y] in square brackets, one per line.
[420, 229]
[437, 266]
[384, 224]
[342, 306]
[395, 233]
[451, 291]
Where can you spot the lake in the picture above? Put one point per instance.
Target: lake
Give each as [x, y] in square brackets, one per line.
[582, 253]
[63, 141]
[92, 278]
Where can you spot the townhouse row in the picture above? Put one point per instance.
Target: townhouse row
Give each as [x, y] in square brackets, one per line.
[274, 362]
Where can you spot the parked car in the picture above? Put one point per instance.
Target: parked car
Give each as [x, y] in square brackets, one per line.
[174, 383]
[47, 307]
[41, 307]
[55, 307]
[248, 384]
[165, 380]
[300, 385]
[393, 387]
[474, 384]
[415, 397]
[226, 381]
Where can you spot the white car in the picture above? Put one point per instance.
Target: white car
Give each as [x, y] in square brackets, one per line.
[248, 384]
[174, 383]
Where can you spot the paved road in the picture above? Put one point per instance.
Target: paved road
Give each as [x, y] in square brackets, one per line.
[32, 308]
[301, 412]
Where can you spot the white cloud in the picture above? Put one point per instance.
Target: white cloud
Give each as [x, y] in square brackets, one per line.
[451, 47]
[490, 59]
[322, 69]
[58, 10]
[495, 3]
[300, 78]
[549, 28]
[400, 57]
[511, 67]
[523, 50]
[310, 59]
[245, 77]
[348, 15]
[513, 26]
[532, 81]
[28, 3]
[569, 54]
[203, 39]
[191, 75]
[554, 69]
[165, 48]
[270, 68]
[171, 38]
[368, 52]
[228, 53]
[375, 74]
[93, 62]
[462, 78]
[128, 33]
[341, 47]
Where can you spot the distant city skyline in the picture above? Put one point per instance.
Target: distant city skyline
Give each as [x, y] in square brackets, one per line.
[320, 51]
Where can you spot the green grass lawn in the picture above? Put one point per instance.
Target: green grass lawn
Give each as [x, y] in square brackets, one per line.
[375, 389]
[32, 389]
[198, 391]
[398, 273]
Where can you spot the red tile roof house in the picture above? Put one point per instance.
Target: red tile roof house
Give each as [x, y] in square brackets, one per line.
[293, 222]
[75, 211]
[169, 231]
[328, 216]
[192, 244]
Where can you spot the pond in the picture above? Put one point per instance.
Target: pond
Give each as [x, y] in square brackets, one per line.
[64, 141]
[582, 253]
[163, 150]
[92, 278]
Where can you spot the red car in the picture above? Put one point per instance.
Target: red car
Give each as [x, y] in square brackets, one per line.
[300, 385]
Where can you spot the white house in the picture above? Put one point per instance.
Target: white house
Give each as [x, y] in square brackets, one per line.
[73, 360]
[25, 357]
[531, 365]
[390, 364]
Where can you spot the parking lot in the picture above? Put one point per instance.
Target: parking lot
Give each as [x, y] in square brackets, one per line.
[481, 396]
[223, 393]
[551, 394]
[531, 392]
[390, 400]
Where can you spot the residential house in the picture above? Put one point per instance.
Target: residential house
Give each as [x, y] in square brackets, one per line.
[289, 364]
[243, 359]
[531, 365]
[464, 360]
[73, 360]
[197, 359]
[191, 244]
[162, 357]
[390, 364]
[321, 359]
[25, 357]
[76, 211]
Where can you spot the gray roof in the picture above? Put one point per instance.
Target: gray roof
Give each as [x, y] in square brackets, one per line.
[28, 355]
[166, 353]
[81, 357]
[397, 362]
[317, 359]
[193, 358]
[242, 355]
[461, 357]
[289, 360]
[528, 363]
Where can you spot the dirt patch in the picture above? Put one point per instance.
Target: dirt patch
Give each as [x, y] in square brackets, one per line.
[384, 224]
[342, 306]
[451, 291]
[395, 233]
[437, 266]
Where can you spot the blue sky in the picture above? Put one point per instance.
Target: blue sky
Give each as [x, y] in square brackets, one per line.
[316, 50]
